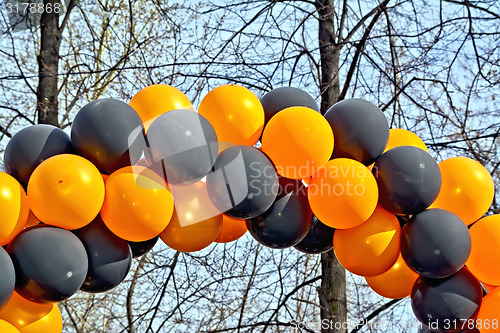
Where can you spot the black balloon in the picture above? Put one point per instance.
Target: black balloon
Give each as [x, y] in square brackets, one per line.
[182, 146]
[408, 179]
[446, 305]
[244, 183]
[7, 277]
[51, 263]
[287, 221]
[285, 97]
[106, 131]
[319, 239]
[31, 146]
[109, 257]
[141, 248]
[435, 243]
[287, 185]
[360, 129]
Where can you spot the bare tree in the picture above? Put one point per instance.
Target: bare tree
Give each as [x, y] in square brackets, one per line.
[432, 67]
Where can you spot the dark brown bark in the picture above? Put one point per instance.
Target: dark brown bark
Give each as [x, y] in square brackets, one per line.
[48, 65]
[332, 293]
[329, 51]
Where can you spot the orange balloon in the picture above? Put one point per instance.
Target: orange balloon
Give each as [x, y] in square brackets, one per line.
[196, 222]
[489, 287]
[401, 137]
[21, 312]
[138, 205]
[192, 203]
[397, 282]
[14, 208]
[484, 258]
[66, 191]
[225, 145]
[235, 113]
[192, 237]
[32, 220]
[467, 189]
[343, 194]
[371, 248]
[51, 323]
[488, 318]
[6, 327]
[154, 100]
[231, 230]
[298, 140]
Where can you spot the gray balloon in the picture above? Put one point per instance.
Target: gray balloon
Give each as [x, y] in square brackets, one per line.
[141, 248]
[319, 239]
[105, 131]
[408, 179]
[285, 97]
[109, 257]
[435, 243]
[31, 146]
[7, 277]
[446, 305]
[360, 130]
[50, 263]
[244, 183]
[287, 221]
[182, 146]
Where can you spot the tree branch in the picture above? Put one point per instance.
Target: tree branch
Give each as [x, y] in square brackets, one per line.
[467, 3]
[359, 47]
[130, 293]
[375, 313]
[290, 294]
[71, 5]
[163, 290]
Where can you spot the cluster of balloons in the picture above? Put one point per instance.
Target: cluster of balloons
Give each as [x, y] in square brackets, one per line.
[77, 208]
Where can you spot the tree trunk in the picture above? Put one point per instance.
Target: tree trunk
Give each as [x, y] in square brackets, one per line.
[48, 66]
[332, 293]
[329, 51]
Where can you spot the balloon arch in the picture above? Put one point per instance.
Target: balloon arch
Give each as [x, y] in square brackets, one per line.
[154, 168]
